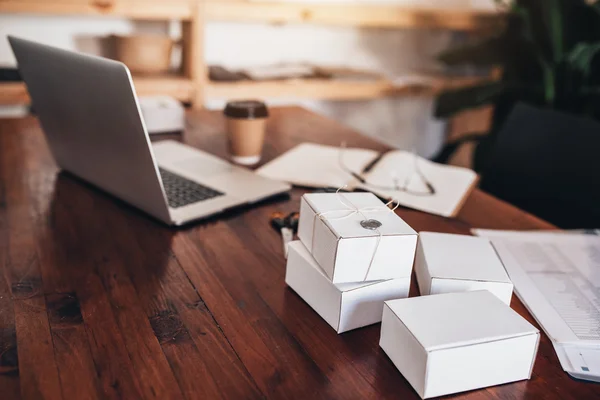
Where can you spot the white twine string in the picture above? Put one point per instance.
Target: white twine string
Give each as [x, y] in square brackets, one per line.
[352, 210]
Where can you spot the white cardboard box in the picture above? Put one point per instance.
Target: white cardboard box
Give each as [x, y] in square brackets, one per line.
[344, 306]
[447, 263]
[453, 342]
[330, 227]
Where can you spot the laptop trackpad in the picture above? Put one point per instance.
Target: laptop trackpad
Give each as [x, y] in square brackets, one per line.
[176, 156]
[203, 167]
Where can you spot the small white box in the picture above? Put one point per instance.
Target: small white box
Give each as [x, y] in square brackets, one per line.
[162, 114]
[344, 306]
[447, 263]
[453, 342]
[330, 227]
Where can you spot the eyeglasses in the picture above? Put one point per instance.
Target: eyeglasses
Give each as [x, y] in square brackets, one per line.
[396, 182]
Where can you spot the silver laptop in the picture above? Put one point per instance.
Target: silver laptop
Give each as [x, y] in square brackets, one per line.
[90, 114]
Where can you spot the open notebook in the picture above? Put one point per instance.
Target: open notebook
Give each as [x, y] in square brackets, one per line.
[319, 166]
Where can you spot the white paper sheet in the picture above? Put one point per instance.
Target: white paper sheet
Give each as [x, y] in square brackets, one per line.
[315, 165]
[451, 184]
[557, 277]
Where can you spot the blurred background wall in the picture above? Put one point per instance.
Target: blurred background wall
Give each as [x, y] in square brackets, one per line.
[403, 122]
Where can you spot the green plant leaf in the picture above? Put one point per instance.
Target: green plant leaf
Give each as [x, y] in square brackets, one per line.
[453, 101]
[580, 58]
[554, 22]
[549, 52]
[595, 6]
[549, 86]
[522, 13]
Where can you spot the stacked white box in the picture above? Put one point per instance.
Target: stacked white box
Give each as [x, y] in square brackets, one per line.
[344, 306]
[335, 228]
[362, 254]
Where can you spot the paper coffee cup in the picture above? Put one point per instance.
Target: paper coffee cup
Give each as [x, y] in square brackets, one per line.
[246, 126]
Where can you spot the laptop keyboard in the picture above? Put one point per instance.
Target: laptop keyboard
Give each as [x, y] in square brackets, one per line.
[181, 191]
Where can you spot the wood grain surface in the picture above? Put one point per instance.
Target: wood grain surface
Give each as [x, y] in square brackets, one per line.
[99, 301]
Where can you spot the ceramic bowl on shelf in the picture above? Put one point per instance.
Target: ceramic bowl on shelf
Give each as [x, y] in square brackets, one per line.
[144, 54]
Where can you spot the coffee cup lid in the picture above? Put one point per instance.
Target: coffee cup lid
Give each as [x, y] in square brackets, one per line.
[246, 109]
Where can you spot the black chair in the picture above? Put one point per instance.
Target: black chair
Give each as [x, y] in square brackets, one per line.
[548, 163]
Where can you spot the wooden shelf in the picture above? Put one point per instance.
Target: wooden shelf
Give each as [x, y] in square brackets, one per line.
[195, 13]
[366, 15]
[178, 87]
[270, 12]
[305, 89]
[182, 89]
[322, 89]
[140, 9]
[13, 93]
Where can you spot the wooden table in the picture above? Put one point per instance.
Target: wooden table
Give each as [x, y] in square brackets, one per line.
[99, 301]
